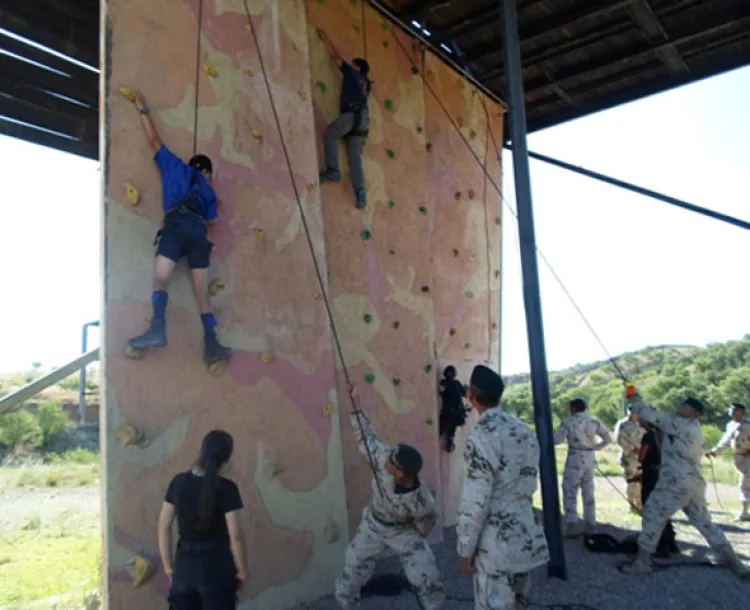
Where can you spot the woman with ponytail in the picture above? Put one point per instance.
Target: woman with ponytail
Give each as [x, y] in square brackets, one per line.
[209, 564]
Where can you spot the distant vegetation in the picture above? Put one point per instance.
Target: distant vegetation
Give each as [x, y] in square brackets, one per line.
[718, 374]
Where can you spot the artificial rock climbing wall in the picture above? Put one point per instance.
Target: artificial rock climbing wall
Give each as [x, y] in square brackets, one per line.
[410, 279]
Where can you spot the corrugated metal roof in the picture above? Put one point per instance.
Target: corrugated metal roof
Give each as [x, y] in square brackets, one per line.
[579, 56]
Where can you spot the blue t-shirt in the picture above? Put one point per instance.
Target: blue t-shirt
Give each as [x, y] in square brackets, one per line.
[178, 178]
[353, 87]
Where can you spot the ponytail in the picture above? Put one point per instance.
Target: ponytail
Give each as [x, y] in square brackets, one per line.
[216, 449]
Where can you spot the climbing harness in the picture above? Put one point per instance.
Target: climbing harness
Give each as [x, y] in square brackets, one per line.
[303, 218]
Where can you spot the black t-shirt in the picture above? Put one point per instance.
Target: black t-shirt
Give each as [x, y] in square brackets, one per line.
[184, 493]
[453, 392]
[653, 456]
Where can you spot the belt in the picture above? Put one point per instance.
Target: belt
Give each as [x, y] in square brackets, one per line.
[388, 523]
[580, 449]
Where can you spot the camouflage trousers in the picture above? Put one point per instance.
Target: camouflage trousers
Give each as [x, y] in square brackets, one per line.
[631, 469]
[664, 502]
[495, 590]
[579, 474]
[742, 464]
[371, 539]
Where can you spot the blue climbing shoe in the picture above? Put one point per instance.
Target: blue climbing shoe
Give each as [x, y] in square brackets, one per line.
[333, 175]
[360, 198]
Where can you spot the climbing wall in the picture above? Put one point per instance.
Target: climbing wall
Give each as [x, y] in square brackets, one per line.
[394, 291]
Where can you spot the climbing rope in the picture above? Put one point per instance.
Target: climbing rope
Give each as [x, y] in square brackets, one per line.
[303, 217]
[197, 75]
[488, 130]
[364, 30]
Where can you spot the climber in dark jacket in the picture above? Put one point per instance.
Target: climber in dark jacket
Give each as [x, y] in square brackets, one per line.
[452, 412]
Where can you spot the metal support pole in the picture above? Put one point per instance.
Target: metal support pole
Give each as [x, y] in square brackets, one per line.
[82, 375]
[531, 293]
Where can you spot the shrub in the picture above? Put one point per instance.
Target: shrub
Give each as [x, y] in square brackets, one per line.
[53, 421]
[711, 435]
[18, 430]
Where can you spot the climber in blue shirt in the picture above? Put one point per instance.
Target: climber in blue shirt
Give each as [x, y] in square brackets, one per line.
[353, 123]
[190, 207]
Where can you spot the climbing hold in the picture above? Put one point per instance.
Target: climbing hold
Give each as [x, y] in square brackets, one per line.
[216, 286]
[391, 252]
[396, 324]
[455, 252]
[385, 44]
[391, 204]
[266, 357]
[428, 146]
[414, 70]
[396, 381]
[497, 273]
[271, 469]
[128, 435]
[209, 69]
[497, 220]
[370, 378]
[428, 421]
[469, 295]
[385, 25]
[390, 153]
[355, 27]
[249, 28]
[248, 72]
[494, 325]
[423, 210]
[257, 134]
[321, 85]
[302, 95]
[132, 194]
[425, 289]
[367, 318]
[457, 195]
[467, 345]
[460, 120]
[328, 409]
[419, 129]
[452, 332]
[365, 235]
[317, 296]
[332, 532]
[472, 134]
[471, 193]
[428, 368]
[127, 93]
[261, 234]
[140, 568]
[310, 187]
[388, 104]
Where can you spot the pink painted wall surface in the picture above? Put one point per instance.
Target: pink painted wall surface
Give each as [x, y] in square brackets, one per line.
[302, 480]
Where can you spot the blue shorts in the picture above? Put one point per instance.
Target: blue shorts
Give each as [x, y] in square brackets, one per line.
[185, 235]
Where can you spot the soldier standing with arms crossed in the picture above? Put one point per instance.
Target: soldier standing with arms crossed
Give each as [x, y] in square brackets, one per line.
[499, 537]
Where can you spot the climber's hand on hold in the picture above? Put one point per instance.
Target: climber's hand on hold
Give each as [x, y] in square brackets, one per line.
[140, 101]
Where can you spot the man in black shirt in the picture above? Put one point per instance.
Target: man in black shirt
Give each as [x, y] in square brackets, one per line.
[452, 412]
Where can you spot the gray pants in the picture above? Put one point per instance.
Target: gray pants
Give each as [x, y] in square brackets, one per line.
[354, 145]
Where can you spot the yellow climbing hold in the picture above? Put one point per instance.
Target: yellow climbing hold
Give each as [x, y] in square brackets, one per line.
[216, 286]
[127, 93]
[132, 194]
[266, 357]
[248, 72]
[261, 234]
[257, 134]
[471, 193]
[310, 187]
[328, 409]
[129, 435]
[140, 568]
[248, 27]
[318, 296]
[302, 95]
[472, 134]
[209, 69]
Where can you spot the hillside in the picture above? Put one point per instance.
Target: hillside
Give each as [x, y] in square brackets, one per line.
[718, 374]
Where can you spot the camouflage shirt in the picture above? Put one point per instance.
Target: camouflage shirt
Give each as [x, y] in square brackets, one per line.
[737, 435]
[580, 431]
[628, 435]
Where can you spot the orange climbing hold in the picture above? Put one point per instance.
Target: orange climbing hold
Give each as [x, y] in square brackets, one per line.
[209, 69]
[266, 357]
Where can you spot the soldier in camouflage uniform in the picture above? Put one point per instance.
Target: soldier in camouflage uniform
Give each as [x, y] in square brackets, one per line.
[681, 484]
[500, 539]
[580, 431]
[399, 520]
[628, 435]
[738, 436]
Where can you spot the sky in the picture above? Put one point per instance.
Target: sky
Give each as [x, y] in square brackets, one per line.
[643, 272]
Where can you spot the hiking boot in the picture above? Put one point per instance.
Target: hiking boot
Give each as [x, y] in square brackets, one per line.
[360, 198]
[213, 351]
[333, 175]
[155, 336]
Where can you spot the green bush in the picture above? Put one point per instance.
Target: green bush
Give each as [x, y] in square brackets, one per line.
[711, 435]
[53, 421]
[18, 430]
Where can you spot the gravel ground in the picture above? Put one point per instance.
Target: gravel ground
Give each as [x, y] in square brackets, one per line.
[594, 580]
[17, 506]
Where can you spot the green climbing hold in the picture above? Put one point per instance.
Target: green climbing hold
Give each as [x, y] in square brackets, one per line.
[396, 324]
[423, 210]
[321, 85]
[370, 378]
[367, 318]
[467, 345]
[420, 129]
[396, 382]
[385, 44]
[385, 26]
[391, 204]
[428, 421]
[388, 104]
[390, 153]
[414, 70]
[365, 235]
[470, 295]
[425, 289]
[428, 368]
[355, 27]
[391, 252]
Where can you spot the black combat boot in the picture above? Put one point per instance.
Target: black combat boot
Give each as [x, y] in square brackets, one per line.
[213, 351]
[155, 336]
